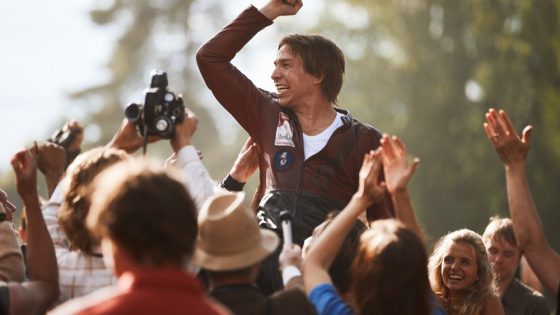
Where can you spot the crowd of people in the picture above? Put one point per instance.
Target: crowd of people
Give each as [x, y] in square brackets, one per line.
[119, 234]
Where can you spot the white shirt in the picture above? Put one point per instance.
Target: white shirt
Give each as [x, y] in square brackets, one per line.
[314, 144]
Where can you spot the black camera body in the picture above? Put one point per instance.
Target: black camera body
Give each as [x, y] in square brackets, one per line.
[161, 109]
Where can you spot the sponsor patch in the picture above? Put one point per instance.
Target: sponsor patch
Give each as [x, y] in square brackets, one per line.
[283, 160]
[284, 133]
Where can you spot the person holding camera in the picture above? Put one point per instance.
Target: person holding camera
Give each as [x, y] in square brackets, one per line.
[310, 151]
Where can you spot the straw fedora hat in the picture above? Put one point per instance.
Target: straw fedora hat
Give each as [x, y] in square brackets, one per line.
[229, 237]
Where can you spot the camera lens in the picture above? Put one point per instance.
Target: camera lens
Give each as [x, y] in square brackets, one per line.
[133, 112]
[162, 125]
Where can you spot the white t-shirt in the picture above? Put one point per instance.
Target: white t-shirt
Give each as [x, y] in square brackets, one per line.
[314, 144]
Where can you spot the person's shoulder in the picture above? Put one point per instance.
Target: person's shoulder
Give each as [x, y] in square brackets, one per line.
[87, 304]
[492, 305]
[292, 299]
[533, 297]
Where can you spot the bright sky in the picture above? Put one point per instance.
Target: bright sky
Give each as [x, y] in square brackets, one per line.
[49, 48]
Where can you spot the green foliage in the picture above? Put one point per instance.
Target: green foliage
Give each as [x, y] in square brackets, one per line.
[421, 59]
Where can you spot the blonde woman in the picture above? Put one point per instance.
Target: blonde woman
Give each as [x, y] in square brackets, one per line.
[461, 275]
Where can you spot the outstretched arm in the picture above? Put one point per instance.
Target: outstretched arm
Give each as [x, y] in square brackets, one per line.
[194, 174]
[34, 296]
[321, 255]
[397, 175]
[529, 232]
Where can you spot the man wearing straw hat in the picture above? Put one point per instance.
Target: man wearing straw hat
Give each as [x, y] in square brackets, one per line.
[230, 248]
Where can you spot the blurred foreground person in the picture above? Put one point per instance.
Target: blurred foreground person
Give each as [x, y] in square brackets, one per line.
[41, 290]
[231, 248]
[527, 226]
[504, 255]
[78, 254]
[461, 275]
[388, 274]
[146, 222]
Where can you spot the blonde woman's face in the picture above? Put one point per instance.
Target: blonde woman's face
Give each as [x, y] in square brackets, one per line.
[458, 266]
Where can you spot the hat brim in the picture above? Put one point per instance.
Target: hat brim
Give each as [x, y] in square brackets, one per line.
[216, 262]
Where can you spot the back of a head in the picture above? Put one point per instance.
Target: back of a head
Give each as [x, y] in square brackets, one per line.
[146, 211]
[341, 267]
[76, 202]
[389, 274]
[320, 57]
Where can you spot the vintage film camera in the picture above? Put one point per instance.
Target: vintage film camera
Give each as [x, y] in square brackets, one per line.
[161, 109]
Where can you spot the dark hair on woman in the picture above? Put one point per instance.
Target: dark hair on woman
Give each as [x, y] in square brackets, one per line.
[76, 203]
[389, 274]
[340, 270]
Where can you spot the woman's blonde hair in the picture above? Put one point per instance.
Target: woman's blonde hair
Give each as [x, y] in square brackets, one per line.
[473, 299]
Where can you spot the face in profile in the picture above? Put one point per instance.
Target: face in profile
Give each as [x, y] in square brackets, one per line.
[292, 82]
[458, 268]
[6, 206]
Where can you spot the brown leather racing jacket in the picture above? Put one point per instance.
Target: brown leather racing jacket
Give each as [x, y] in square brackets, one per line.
[308, 189]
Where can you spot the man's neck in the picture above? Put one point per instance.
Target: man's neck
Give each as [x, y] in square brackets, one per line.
[316, 118]
[502, 285]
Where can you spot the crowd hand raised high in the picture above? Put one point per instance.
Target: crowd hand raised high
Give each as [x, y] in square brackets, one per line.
[247, 161]
[276, 8]
[127, 139]
[370, 189]
[25, 167]
[51, 161]
[395, 164]
[78, 132]
[510, 147]
[184, 131]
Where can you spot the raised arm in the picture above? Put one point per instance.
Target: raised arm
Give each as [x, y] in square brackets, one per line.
[193, 172]
[51, 161]
[11, 260]
[321, 255]
[244, 166]
[529, 231]
[397, 175]
[36, 295]
[276, 8]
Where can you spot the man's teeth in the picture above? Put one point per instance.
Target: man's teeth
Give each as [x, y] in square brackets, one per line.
[281, 87]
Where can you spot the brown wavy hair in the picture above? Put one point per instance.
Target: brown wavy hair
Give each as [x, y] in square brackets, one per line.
[389, 274]
[482, 288]
[76, 203]
[146, 211]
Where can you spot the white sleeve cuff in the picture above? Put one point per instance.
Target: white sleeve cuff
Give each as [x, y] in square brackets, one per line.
[290, 272]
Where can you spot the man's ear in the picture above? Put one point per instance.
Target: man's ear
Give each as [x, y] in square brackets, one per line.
[317, 79]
